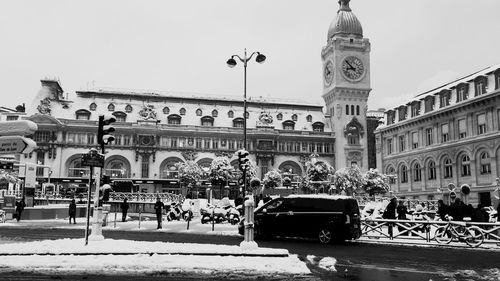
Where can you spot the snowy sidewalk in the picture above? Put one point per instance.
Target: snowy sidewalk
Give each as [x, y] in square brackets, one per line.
[118, 257]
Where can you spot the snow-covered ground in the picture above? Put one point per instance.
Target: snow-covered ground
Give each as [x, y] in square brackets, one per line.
[138, 257]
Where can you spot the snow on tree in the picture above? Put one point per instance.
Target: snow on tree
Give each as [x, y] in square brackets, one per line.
[254, 184]
[348, 179]
[221, 172]
[272, 179]
[317, 174]
[375, 182]
[10, 177]
[287, 178]
[189, 173]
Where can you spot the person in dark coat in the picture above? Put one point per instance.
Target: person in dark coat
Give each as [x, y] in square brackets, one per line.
[401, 210]
[443, 210]
[390, 210]
[72, 211]
[159, 210]
[124, 206]
[458, 210]
[20, 208]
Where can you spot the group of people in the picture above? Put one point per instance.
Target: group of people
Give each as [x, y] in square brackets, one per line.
[457, 211]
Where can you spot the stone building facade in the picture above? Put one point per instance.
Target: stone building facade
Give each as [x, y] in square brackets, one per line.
[446, 138]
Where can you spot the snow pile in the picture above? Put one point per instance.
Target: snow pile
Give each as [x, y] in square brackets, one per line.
[109, 246]
[328, 263]
[143, 257]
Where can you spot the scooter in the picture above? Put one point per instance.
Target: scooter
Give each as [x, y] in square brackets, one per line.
[174, 212]
[233, 216]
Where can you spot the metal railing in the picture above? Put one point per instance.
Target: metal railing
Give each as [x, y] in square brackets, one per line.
[420, 230]
[145, 197]
[431, 205]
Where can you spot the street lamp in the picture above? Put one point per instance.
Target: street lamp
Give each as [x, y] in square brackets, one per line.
[231, 62]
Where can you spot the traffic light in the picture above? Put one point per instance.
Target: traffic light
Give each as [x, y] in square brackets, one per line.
[243, 159]
[104, 131]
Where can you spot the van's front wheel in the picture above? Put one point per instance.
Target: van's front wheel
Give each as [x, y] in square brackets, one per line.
[325, 236]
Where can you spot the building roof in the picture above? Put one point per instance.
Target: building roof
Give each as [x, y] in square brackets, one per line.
[345, 23]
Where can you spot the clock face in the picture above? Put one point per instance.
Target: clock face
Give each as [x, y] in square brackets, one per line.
[352, 68]
[328, 73]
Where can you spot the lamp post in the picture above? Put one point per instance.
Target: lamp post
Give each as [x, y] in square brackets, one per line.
[231, 62]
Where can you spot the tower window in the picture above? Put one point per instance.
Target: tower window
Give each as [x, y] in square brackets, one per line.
[347, 110]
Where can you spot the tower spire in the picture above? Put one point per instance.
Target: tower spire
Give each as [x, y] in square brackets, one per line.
[344, 5]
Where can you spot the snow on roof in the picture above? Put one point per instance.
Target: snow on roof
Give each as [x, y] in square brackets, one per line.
[321, 196]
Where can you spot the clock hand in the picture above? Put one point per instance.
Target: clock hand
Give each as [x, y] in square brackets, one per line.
[350, 65]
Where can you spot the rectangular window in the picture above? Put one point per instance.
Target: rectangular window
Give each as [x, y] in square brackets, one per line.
[481, 124]
[289, 147]
[117, 141]
[91, 139]
[70, 138]
[281, 146]
[297, 147]
[415, 109]
[389, 146]
[12, 117]
[414, 138]
[402, 143]
[145, 166]
[327, 148]
[230, 144]
[42, 136]
[319, 148]
[444, 100]
[126, 140]
[429, 103]
[462, 128]
[240, 144]
[164, 141]
[40, 159]
[480, 89]
[428, 136]
[215, 144]
[173, 142]
[206, 144]
[445, 136]
[311, 147]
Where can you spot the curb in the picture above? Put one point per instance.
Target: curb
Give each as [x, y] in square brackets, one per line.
[150, 254]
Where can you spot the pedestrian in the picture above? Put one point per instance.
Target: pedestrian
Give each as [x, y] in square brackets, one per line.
[401, 210]
[20, 208]
[124, 207]
[72, 211]
[390, 213]
[443, 209]
[159, 210]
[457, 210]
[390, 210]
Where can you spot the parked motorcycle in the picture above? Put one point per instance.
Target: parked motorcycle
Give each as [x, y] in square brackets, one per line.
[174, 212]
[233, 216]
[213, 213]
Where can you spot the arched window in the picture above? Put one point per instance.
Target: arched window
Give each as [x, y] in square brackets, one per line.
[111, 107]
[279, 116]
[404, 174]
[174, 119]
[485, 163]
[116, 168]
[215, 113]
[128, 108]
[199, 112]
[93, 106]
[289, 125]
[417, 172]
[168, 168]
[75, 168]
[207, 121]
[82, 114]
[230, 114]
[166, 110]
[309, 118]
[448, 168]
[318, 127]
[294, 117]
[465, 165]
[182, 111]
[432, 170]
[238, 123]
[120, 116]
[357, 109]
[352, 109]
[391, 174]
[347, 109]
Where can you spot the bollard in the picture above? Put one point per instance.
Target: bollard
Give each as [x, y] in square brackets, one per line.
[140, 216]
[248, 242]
[213, 219]
[114, 225]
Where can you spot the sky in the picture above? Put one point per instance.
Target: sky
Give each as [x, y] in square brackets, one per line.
[183, 46]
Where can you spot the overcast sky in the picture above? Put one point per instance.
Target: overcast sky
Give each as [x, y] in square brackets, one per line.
[183, 45]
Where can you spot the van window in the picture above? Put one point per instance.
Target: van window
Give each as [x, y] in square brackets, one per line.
[274, 206]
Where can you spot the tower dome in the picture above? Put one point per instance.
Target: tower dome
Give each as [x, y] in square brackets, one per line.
[345, 23]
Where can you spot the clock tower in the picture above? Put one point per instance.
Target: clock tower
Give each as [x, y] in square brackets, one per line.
[346, 86]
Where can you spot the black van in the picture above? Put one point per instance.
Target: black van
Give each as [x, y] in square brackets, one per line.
[324, 217]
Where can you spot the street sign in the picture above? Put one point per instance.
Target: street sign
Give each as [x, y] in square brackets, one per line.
[93, 159]
[16, 144]
[15, 128]
[30, 175]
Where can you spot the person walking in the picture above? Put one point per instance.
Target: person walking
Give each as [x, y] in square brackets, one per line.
[443, 210]
[124, 207]
[390, 213]
[72, 211]
[401, 210]
[20, 208]
[159, 210]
